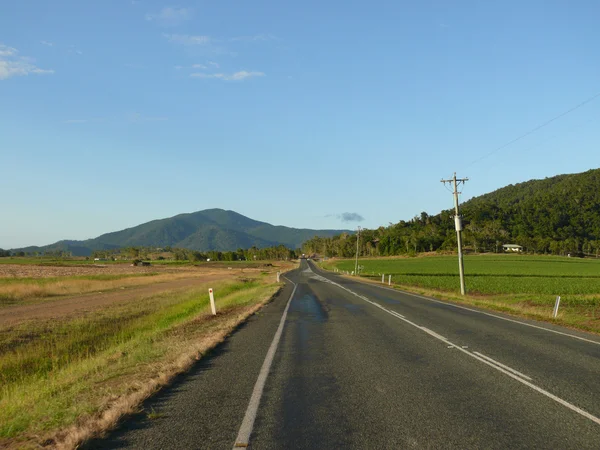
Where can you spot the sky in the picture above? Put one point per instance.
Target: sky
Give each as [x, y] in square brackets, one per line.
[307, 114]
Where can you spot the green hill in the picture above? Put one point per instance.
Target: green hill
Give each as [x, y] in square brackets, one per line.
[211, 229]
[556, 215]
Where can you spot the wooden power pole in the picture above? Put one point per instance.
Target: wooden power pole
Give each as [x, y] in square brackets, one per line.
[454, 182]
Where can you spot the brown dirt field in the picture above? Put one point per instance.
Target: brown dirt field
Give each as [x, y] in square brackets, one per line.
[72, 306]
[31, 271]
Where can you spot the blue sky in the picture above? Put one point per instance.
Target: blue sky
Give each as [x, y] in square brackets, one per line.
[116, 112]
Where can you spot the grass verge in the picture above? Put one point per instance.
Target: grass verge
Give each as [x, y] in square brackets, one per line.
[65, 381]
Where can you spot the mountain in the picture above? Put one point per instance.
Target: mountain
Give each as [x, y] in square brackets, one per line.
[557, 215]
[211, 229]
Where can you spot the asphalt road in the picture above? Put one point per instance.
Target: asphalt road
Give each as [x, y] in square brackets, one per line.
[362, 366]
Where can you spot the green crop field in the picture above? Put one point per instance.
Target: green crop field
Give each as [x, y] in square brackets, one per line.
[484, 274]
[518, 284]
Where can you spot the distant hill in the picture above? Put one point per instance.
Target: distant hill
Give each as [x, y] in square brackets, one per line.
[556, 215]
[558, 208]
[211, 229]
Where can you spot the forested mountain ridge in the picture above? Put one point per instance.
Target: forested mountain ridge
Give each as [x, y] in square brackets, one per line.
[210, 229]
[556, 215]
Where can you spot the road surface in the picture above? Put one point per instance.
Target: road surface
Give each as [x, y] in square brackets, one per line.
[362, 366]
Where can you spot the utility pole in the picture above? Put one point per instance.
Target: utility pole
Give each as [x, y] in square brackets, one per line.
[454, 182]
[356, 263]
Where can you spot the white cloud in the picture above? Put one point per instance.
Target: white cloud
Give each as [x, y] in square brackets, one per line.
[237, 76]
[186, 39]
[13, 65]
[46, 43]
[214, 64]
[170, 16]
[207, 75]
[7, 51]
[198, 66]
[242, 75]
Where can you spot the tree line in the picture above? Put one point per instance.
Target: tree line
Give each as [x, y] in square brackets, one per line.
[280, 252]
[558, 215]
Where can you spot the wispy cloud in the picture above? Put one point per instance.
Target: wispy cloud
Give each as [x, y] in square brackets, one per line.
[47, 44]
[237, 76]
[170, 16]
[186, 39]
[7, 51]
[207, 66]
[12, 65]
[214, 64]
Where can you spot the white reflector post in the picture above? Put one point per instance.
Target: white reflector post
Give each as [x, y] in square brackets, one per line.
[556, 305]
[212, 302]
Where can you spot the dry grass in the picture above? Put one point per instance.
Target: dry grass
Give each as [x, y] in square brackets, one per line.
[104, 372]
[18, 291]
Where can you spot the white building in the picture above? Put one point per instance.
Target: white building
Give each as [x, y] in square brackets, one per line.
[512, 248]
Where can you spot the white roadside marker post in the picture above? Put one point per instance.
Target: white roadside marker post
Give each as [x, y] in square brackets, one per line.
[212, 302]
[555, 312]
[389, 280]
[278, 277]
[382, 278]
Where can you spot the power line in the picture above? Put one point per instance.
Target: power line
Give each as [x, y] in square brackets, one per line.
[585, 102]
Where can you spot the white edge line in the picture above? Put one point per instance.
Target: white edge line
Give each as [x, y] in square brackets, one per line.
[477, 311]
[243, 437]
[516, 372]
[500, 369]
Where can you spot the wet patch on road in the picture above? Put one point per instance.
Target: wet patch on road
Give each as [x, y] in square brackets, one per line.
[308, 307]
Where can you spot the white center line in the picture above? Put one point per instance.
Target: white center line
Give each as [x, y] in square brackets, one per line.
[516, 372]
[243, 437]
